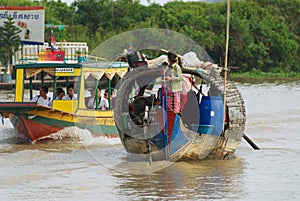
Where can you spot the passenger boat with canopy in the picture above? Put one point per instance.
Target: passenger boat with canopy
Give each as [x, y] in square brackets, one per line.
[38, 122]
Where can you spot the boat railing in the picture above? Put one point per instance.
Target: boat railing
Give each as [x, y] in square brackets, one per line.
[73, 51]
[93, 61]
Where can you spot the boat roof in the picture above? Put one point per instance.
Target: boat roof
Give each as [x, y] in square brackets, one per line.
[102, 65]
[48, 65]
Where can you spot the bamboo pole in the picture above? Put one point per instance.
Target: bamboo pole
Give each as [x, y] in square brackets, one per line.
[226, 55]
[253, 145]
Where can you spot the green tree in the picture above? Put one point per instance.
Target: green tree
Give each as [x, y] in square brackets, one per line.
[264, 35]
[9, 41]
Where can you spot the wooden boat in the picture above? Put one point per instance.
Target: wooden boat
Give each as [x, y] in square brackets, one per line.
[202, 130]
[37, 122]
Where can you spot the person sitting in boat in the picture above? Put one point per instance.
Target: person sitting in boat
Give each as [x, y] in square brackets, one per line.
[42, 98]
[60, 93]
[92, 100]
[104, 105]
[70, 93]
[89, 98]
[112, 97]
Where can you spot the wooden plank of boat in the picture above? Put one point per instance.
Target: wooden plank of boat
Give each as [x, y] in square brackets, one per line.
[17, 107]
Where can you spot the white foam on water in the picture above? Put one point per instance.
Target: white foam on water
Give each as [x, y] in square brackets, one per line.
[84, 136]
[8, 135]
[101, 140]
[7, 130]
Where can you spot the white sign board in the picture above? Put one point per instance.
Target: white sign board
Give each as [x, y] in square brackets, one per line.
[64, 70]
[30, 19]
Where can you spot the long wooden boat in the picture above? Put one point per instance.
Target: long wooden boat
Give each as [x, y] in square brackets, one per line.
[203, 129]
[38, 122]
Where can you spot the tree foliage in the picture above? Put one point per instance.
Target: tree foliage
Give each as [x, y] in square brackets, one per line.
[264, 35]
[9, 41]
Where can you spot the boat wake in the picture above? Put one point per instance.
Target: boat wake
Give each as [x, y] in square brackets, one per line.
[82, 136]
[68, 135]
[101, 149]
[8, 135]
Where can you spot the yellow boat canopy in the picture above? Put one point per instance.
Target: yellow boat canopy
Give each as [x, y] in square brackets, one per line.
[96, 72]
[109, 75]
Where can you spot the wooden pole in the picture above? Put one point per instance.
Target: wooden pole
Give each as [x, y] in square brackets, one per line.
[109, 94]
[253, 145]
[226, 56]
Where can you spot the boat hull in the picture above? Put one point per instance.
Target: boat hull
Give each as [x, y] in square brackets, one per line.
[192, 144]
[35, 127]
[33, 130]
[38, 123]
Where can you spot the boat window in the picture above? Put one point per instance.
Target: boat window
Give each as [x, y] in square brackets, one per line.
[95, 85]
[62, 83]
[34, 79]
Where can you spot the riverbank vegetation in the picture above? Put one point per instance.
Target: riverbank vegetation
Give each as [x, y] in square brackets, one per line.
[264, 35]
[257, 76]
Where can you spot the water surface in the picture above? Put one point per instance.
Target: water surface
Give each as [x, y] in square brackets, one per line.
[98, 169]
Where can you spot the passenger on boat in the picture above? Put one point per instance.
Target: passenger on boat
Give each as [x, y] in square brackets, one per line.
[42, 98]
[173, 77]
[112, 98]
[188, 81]
[104, 101]
[60, 93]
[92, 100]
[89, 98]
[70, 93]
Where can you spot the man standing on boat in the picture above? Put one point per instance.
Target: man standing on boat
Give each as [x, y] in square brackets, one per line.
[70, 93]
[42, 98]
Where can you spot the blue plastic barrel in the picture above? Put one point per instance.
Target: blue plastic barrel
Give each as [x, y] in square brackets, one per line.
[212, 113]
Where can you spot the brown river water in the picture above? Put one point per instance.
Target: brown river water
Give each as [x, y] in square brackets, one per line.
[86, 168]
